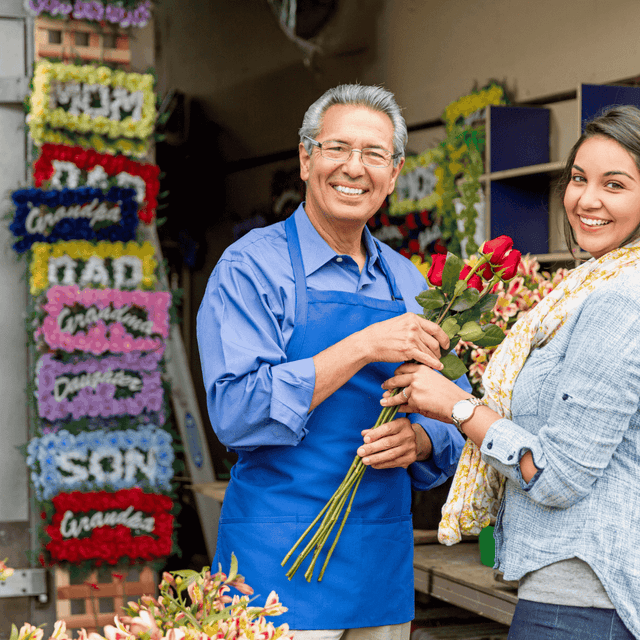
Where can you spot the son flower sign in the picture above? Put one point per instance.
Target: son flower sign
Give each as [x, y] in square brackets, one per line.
[458, 297]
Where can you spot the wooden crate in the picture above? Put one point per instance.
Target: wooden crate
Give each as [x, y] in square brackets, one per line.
[92, 604]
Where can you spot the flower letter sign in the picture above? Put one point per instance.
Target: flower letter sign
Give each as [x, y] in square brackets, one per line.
[95, 107]
[99, 320]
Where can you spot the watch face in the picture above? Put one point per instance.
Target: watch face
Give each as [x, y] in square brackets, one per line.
[462, 410]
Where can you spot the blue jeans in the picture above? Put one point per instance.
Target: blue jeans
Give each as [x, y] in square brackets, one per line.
[540, 621]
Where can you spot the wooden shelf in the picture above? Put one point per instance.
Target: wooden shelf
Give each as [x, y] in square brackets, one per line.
[536, 169]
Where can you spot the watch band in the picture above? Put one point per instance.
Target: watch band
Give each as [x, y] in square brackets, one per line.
[475, 402]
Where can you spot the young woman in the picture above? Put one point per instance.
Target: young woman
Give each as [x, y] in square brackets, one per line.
[560, 418]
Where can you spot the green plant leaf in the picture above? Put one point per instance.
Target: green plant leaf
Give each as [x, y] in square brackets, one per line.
[451, 273]
[14, 632]
[233, 571]
[431, 299]
[430, 314]
[453, 367]
[488, 302]
[493, 335]
[467, 299]
[471, 331]
[450, 327]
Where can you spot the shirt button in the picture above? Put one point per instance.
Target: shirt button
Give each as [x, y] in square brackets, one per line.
[510, 457]
[338, 259]
[490, 445]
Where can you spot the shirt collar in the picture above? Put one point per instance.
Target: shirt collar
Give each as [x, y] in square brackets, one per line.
[315, 250]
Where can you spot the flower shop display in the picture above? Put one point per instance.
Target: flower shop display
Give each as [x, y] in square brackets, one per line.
[64, 462]
[459, 296]
[96, 107]
[107, 526]
[115, 385]
[515, 298]
[462, 165]
[120, 13]
[416, 186]
[114, 265]
[192, 605]
[59, 166]
[100, 320]
[101, 454]
[73, 214]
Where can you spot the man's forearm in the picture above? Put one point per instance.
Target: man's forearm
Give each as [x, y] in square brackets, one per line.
[338, 364]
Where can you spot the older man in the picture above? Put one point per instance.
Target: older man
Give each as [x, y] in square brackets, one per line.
[300, 324]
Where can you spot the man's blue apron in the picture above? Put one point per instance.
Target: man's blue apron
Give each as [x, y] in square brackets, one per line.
[275, 492]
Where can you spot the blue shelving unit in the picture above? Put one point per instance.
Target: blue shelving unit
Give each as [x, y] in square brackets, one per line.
[519, 175]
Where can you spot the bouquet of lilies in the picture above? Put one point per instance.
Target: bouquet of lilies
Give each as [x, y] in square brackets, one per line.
[191, 606]
[459, 296]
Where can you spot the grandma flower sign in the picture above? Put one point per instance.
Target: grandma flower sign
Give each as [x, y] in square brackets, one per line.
[456, 301]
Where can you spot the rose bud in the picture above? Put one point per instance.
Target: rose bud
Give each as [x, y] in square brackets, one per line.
[496, 249]
[474, 281]
[510, 265]
[435, 272]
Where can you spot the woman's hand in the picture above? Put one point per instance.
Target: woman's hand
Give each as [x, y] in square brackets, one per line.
[425, 392]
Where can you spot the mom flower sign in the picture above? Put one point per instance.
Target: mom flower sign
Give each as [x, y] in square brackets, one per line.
[458, 297]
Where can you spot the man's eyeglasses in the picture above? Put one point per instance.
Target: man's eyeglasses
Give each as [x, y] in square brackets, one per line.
[341, 152]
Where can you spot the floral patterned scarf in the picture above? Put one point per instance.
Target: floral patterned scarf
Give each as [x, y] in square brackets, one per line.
[477, 487]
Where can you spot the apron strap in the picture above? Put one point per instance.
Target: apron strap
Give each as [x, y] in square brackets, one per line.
[300, 322]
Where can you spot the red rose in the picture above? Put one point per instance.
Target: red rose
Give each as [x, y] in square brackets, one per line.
[435, 272]
[510, 264]
[475, 280]
[439, 246]
[496, 249]
[485, 271]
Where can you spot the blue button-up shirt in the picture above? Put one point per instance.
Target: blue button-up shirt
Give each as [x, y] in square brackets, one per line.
[575, 406]
[255, 396]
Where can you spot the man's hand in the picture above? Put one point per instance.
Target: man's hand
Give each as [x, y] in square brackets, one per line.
[395, 444]
[405, 338]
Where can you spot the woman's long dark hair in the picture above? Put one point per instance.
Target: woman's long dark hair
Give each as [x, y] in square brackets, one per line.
[620, 123]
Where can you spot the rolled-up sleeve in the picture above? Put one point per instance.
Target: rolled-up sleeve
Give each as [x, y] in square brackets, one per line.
[596, 394]
[255, 396]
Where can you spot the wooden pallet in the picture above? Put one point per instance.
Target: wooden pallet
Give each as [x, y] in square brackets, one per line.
[92, 604]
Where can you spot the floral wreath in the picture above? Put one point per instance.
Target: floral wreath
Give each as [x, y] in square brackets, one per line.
[108, 264]
[62, 108]
[73, 214]
[100, 320]
[428, 160]
[137, 14]
[127, 384]
[63, 461]
[61, 166]
[107, 527]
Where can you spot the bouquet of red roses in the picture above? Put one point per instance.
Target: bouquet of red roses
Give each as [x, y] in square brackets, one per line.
[458, 297]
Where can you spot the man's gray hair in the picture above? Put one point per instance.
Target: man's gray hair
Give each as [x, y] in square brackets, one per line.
[372, 97]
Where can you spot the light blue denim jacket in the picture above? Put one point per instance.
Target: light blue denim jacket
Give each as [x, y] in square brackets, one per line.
[575, 406]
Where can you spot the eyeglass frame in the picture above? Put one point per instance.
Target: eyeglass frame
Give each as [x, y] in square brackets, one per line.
[392, 156]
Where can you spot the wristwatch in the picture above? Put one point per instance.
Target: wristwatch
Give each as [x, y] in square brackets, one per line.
[463, 410]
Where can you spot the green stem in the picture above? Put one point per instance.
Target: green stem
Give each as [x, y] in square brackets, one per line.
[333, 508]
[344, 520]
